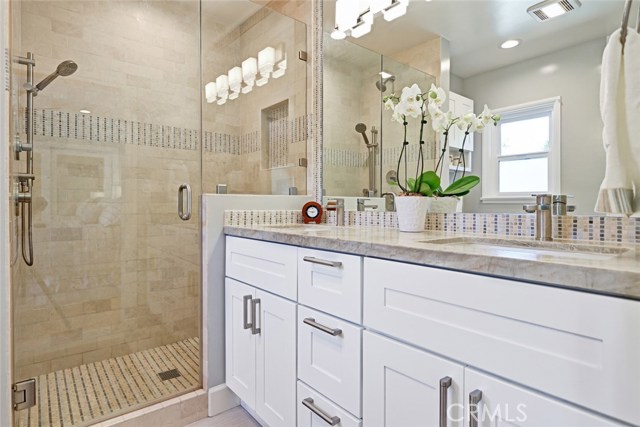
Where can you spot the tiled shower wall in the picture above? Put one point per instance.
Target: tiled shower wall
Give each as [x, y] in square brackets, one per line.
[115, 270]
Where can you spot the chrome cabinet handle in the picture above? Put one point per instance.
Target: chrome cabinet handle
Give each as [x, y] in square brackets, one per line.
[185, 216]
[474, 399]
[255, 330]
[327, 330]
[245, 315]
[445, 383]
[308, 402]
[314, 260]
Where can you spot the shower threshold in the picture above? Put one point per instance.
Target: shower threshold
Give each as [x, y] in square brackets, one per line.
[86, 394]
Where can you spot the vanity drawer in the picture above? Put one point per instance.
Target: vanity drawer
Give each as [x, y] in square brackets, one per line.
[308, 418]
[570, 344]
[331, 282]
[330, 361]
[266, 265]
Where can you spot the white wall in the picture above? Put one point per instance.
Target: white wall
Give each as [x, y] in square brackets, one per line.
[213, 206]
[573, 74]
[5, 309]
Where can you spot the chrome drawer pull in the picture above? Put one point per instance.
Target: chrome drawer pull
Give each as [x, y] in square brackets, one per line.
[474, 399]
[445, 383]
[314, 260]
[245, 315]
[308, 402]
[327, 330]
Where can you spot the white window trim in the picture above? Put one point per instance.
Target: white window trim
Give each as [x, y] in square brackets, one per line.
[490, 193]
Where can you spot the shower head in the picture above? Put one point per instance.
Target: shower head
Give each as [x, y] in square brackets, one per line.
[382, 83]
[362, 129]
[65, 68]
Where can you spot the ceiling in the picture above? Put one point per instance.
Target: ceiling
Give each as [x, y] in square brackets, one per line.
[476, 28]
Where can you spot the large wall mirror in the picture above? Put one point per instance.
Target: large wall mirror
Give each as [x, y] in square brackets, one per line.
[549, 81]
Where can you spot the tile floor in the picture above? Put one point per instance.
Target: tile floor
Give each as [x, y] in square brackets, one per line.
[82, 395]
[236, 417]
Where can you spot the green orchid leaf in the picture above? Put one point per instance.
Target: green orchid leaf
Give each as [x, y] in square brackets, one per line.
[426, 191]
[431, 179]
[461, 185]
[411, 185]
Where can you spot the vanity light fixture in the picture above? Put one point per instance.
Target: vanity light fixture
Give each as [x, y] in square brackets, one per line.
[355, 17]
[210, 92]
[551, 8]
[508, 44]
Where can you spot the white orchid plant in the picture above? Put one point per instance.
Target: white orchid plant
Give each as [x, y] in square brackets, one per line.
[413, 103]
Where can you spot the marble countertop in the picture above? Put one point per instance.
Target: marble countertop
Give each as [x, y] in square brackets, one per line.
[605, 268]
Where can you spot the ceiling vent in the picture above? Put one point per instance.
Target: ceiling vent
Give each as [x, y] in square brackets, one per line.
[551, 8]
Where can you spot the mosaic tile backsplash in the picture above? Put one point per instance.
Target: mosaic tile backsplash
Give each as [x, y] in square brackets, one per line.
[575, 227]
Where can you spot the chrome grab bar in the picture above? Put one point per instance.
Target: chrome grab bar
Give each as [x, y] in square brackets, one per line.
[314, 260]
[332, 421]
[185, 216]
[245, 315]
[327, 330]
[445, 383]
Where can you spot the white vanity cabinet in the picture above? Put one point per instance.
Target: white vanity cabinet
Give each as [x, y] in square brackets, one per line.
[405, 386]
[494, 402]
[260, 328]
[387, 343]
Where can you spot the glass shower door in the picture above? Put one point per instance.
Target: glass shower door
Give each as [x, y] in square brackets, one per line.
[107, 319]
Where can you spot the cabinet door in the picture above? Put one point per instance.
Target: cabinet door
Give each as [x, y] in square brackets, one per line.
[460, 106]
[504, 404]
[240, 351]
[276, 360]
[401, 386]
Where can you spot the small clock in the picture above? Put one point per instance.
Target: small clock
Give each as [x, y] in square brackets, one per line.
[312, 212]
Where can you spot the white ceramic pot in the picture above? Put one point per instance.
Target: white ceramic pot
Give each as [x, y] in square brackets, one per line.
[444, 205]
[412, 212]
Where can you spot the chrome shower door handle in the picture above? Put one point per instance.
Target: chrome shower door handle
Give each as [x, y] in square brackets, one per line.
[184, 215]
[445, 383]
[474, 400]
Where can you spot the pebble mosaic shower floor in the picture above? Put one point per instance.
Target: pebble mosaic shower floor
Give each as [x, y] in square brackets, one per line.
[84, 394]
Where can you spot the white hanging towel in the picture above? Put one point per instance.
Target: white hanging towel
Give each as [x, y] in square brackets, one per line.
[620, 111]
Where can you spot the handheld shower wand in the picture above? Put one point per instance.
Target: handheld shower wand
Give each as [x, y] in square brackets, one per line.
[361, 128]
[64, 69]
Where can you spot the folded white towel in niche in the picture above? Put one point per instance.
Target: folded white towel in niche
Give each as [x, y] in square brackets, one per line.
[620, 111]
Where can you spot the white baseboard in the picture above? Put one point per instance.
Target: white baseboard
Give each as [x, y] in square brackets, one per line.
[221, 399]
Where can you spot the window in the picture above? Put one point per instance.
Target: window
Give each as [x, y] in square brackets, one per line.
[521, 156]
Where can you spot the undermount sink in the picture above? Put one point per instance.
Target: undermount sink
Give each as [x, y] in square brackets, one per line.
[533, 249]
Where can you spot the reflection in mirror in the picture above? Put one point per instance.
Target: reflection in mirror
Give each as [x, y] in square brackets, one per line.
[362, 143]
[255, 118]
[559, 59]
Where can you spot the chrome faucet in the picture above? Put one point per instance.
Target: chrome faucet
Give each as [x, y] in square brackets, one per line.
[362, 206]
[542, 209]
[336, 205]
[560, 206]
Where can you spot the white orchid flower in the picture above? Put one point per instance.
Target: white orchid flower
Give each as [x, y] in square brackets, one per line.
[411, 95]
[389, 104]
[411, 109]
[485, 116]
[436, 95]
[467, 123]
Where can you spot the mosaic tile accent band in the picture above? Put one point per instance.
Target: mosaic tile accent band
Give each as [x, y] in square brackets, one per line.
[573, 227]
[92, 128]
[82, 395]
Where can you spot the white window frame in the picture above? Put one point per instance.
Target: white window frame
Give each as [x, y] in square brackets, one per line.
[491, 149]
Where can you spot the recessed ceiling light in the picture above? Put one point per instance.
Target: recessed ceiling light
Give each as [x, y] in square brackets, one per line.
[338, 35]
[509, 44]
[85, 112]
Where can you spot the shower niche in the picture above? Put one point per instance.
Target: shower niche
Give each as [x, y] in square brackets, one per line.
[275, 136]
